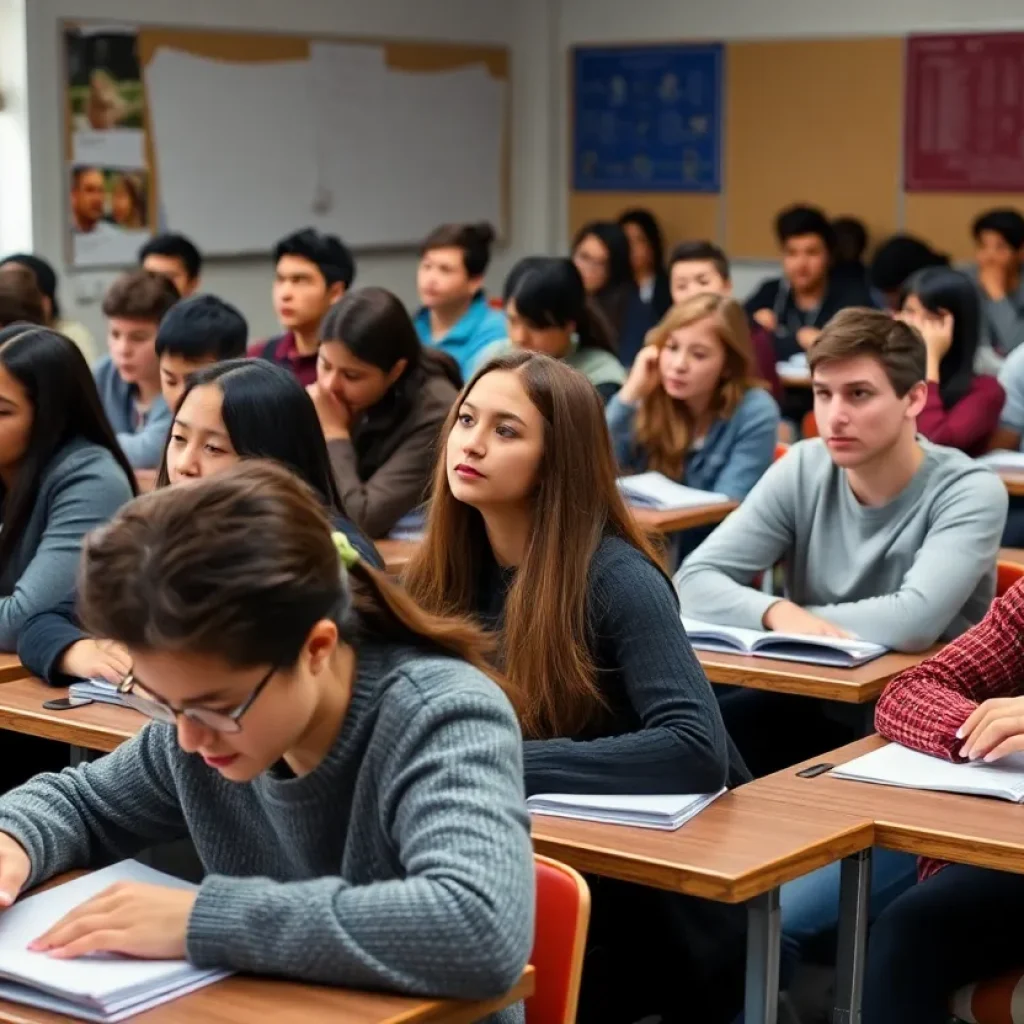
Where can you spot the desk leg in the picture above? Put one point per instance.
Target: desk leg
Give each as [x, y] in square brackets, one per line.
[854, 903]
[866, 719]
[79, 755]
[764, 933]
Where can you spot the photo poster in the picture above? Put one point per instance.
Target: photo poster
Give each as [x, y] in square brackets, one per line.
[109, 202]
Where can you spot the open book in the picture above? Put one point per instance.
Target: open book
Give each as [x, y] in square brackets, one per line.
[97, 988]
[1003, 460]
[666, 813]
[653, 490]
[817, 650]
[894, 765]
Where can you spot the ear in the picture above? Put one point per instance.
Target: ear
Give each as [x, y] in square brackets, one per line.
[321, 644]
[727, 289]
[335, 292]
[476, 283]
[396, 371]
[918, 397]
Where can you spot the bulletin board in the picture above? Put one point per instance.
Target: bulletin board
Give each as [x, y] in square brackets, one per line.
[239, 107]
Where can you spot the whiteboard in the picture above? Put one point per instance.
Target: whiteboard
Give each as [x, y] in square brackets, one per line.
[247, 152]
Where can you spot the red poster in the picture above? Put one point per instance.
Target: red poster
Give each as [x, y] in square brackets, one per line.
[964, 124]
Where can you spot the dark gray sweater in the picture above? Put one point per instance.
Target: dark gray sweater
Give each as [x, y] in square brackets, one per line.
[402, 862]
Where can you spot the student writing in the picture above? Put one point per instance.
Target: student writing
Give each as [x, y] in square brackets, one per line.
[177, 258]
[651, 299]
[381, 397]
[348, 773]
[527, 534]
[549, 311]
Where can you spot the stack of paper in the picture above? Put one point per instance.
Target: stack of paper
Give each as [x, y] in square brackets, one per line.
[894, 765]
[653, 490]
[104, 988]
[98, 690]
[666, 813]
[1003, 461]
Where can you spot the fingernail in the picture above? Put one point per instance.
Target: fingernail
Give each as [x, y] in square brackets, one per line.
[990, 756]
[964, 752]
[960, 733]
[6, 899]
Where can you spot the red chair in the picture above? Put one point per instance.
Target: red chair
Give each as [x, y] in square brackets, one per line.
[809, 426]
[997, 1001]
[1007, 573]
[780, 449]
[560, 938]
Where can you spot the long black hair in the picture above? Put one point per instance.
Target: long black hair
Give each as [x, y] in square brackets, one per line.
[548, 292]
[65, 406]
[614, 297]
[941, 288]
[648, 224]
[268, 415]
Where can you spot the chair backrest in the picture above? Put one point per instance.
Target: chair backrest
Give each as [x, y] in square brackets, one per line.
[809, 425]
[1007, 573]
[560, 938]
[780, 449]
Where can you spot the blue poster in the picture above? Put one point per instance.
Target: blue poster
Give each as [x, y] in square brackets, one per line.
[648, 118]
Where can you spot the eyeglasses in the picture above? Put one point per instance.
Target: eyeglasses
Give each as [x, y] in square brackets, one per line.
[217, 721]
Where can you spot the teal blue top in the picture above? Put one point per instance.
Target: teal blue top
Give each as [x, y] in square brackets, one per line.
[471, 341]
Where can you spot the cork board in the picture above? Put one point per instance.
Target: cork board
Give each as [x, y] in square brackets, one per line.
[680, 215]
[944, 219]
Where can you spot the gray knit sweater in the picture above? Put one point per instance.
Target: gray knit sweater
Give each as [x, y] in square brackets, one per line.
[402, 862]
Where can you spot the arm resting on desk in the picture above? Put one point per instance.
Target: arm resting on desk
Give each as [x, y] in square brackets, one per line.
[46, 637]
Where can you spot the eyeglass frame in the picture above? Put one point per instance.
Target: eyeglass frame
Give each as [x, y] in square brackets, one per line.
[171, 715]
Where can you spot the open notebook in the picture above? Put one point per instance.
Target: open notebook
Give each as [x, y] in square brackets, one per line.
[894, 765]
[653, 490]
[666, 813]
[817, 650]
[1003, 460]
[96, 988]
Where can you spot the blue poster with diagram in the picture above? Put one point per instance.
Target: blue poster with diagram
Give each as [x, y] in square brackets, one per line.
[648, 118]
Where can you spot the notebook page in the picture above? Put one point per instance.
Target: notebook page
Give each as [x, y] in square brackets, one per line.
[698, 630]
[1002, 459]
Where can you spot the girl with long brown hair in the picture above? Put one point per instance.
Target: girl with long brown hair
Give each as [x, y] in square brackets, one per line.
[348, 772]
[692, 407]
[527, 533]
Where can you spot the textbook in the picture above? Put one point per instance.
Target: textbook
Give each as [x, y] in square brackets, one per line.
[103, 988]
[816, 650]
[99, 690]
[895, 765]
[1003, 461]
[653, 490]
[665, 813]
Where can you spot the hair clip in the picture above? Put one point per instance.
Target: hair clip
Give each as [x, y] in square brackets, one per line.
[348, 554]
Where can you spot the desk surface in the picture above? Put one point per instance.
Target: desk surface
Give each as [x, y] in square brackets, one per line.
[396, 553]
[850, 685]
[11, 668]
[672, 519]
[1014, 483]
[1015, 555]
[96, 726]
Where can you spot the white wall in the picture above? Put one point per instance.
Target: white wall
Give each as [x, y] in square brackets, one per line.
[15, 180]
[247, 282]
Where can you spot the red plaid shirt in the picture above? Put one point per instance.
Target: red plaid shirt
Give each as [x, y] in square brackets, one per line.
[923, 707]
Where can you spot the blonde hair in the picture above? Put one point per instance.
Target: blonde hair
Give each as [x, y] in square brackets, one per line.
[664, 425]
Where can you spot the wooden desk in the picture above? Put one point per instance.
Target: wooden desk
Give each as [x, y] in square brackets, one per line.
[11, 668]
[1015, 555]
[673, 519]
[1014, 483]
[396, 553]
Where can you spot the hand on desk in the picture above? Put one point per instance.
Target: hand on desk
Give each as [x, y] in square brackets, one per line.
[786, 617]
[15, 867]
[96, 659]
[145, 921]
[994, 729]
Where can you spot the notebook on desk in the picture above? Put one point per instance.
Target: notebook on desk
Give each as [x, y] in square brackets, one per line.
[1003, 461]
[653, 490]
[666, 813]
[815, 650]
[895, 765]
[98, 690]
[97, 988]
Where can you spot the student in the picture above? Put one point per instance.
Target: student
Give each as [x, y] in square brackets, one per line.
[851, 243]
[963, 407]
[61, 471]
[652, 298]
[702, 268]
[348, 773]
[381, 397]
[455, 315]
[600, 251]
[312, 271]
[195, 333]
[548, 311]
[895, 261]
[46, 281]
[21, 301]
[963, 704]
[175, 257]
[234, 410]
[691, 408]
[527, 533]
[129, 378]
[999, 249]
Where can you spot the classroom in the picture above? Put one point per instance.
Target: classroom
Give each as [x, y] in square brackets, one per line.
[511, 512]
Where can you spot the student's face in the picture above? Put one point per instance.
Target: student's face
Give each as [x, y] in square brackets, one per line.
[641, 255]
[174, 270]
[805, 261]
[995, 253]
[551, 341]
[859, 415]
[88, 197]
[691, 362]
[696, 277]
[16, 418]
[199, 444]
[495, 448]
[174, 369]
[354, 383]
[133, 349]
[301, 295]
[443, 281]
[282, 715]
[591, 259]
